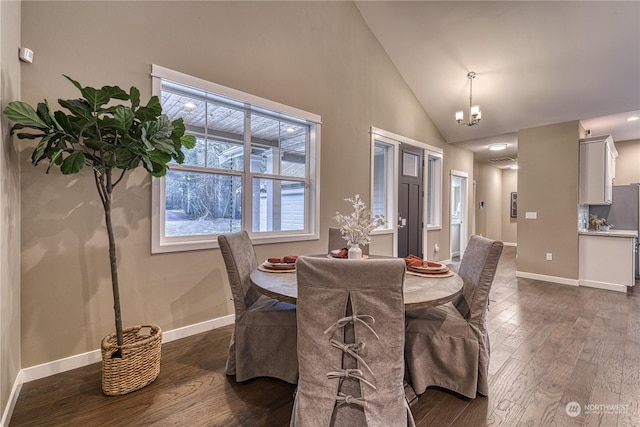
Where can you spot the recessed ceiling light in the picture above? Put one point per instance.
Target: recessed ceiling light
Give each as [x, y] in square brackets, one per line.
[633, 118]
[189, 105]
[497, 147]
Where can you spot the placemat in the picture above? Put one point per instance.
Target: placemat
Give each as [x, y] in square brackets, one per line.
[415, 273]
[269, 270]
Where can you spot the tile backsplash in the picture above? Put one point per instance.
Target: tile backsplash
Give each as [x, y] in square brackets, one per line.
[583, 217]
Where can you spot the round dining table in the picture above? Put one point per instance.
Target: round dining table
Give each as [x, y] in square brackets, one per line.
[420, 290]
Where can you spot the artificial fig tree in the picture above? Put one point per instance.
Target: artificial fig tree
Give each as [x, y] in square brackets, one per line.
[110, 138]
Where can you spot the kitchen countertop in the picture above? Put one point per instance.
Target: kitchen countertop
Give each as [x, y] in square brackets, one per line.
[610, 233]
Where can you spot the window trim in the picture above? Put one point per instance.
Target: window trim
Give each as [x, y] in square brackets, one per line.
[163, 244]
[437, 224]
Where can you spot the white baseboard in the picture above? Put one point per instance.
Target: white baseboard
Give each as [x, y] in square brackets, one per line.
[603, 285]
[545, 278]
[72, 362]
[13, 398]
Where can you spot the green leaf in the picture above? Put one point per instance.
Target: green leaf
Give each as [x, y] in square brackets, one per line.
[134, 95]
[123, 117]
[188, 141]
[23, 114]
[75, 83]
[63, 120]
[124, 158]
[95, 98]
[151, 111]
[44, 113]
[114, 92]
[158, 170]
[78, 107]
[159, 157]
[36, 155]
[73, 163]
[55, 158]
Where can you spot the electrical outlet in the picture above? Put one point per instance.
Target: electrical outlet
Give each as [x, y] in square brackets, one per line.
[549, 256]
[436, 248]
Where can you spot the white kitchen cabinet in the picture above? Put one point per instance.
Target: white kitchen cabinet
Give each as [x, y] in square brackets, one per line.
[597, 170]
[607, 259]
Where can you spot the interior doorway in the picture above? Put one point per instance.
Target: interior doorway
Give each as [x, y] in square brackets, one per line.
[458, 214]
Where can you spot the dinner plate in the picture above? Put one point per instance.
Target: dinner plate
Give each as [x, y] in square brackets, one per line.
[431, 267]
[279, 265]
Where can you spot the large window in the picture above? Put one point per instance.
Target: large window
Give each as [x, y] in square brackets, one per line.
[253, 168]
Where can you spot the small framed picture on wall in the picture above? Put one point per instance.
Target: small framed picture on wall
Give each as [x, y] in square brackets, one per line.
[514, 204]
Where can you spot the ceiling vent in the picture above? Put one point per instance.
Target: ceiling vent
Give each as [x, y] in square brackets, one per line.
[503, 162]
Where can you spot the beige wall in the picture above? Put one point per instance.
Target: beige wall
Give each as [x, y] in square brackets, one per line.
[548, 184]
[489, 194]
[628, 162]
[316, 56]
[9, 206]
[509, 225]
[459, 160]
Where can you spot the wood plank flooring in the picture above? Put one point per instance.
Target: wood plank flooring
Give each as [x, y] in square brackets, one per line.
[550, 345]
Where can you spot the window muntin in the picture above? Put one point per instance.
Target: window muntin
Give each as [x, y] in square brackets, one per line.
[253, 168]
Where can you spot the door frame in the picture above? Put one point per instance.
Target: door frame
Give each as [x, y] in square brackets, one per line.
[464, 203]
[395, 140]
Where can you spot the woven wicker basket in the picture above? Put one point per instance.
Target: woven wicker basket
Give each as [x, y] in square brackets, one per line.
[139, 363]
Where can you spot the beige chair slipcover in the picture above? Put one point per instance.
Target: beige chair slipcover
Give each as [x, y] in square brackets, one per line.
[350, 344]
[263, 343]
[448, 345]
[336, 241]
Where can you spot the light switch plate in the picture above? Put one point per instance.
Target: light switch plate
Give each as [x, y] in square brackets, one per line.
[531, 215]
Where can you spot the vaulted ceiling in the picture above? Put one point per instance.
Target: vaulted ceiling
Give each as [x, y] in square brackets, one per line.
[537, 63]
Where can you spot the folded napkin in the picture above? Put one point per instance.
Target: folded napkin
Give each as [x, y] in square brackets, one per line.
[418, 264]
[340, 253]
[414, 261]
[287, 259]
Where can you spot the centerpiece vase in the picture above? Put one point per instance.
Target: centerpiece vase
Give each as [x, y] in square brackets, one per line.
[354, 251]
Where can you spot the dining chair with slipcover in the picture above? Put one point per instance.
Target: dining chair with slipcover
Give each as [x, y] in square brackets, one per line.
[263, 343]
[350, 343]
[336, 241]
[448, 345]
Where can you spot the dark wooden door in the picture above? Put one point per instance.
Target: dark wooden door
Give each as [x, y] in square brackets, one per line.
[410, 201]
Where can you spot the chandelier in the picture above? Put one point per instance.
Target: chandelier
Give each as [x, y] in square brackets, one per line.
[474, 110]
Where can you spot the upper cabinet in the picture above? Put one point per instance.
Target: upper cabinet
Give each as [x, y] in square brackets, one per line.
[597, 170]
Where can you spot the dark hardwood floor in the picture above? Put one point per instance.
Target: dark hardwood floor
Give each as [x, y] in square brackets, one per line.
[550, 345]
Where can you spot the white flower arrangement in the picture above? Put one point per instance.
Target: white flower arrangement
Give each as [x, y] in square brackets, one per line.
[356, 228]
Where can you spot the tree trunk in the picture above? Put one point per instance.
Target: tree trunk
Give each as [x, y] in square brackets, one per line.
[106, 190]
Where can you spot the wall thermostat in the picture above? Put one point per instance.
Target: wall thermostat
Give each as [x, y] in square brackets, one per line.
[25, 55]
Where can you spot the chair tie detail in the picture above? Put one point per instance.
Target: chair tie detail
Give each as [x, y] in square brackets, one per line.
[347, 399]
[353, 350]
[364, 319]
[349, 373]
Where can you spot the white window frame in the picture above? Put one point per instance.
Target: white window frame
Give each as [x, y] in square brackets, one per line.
[429, 151]
[436, 187]
[161, 243]
[391, 166]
